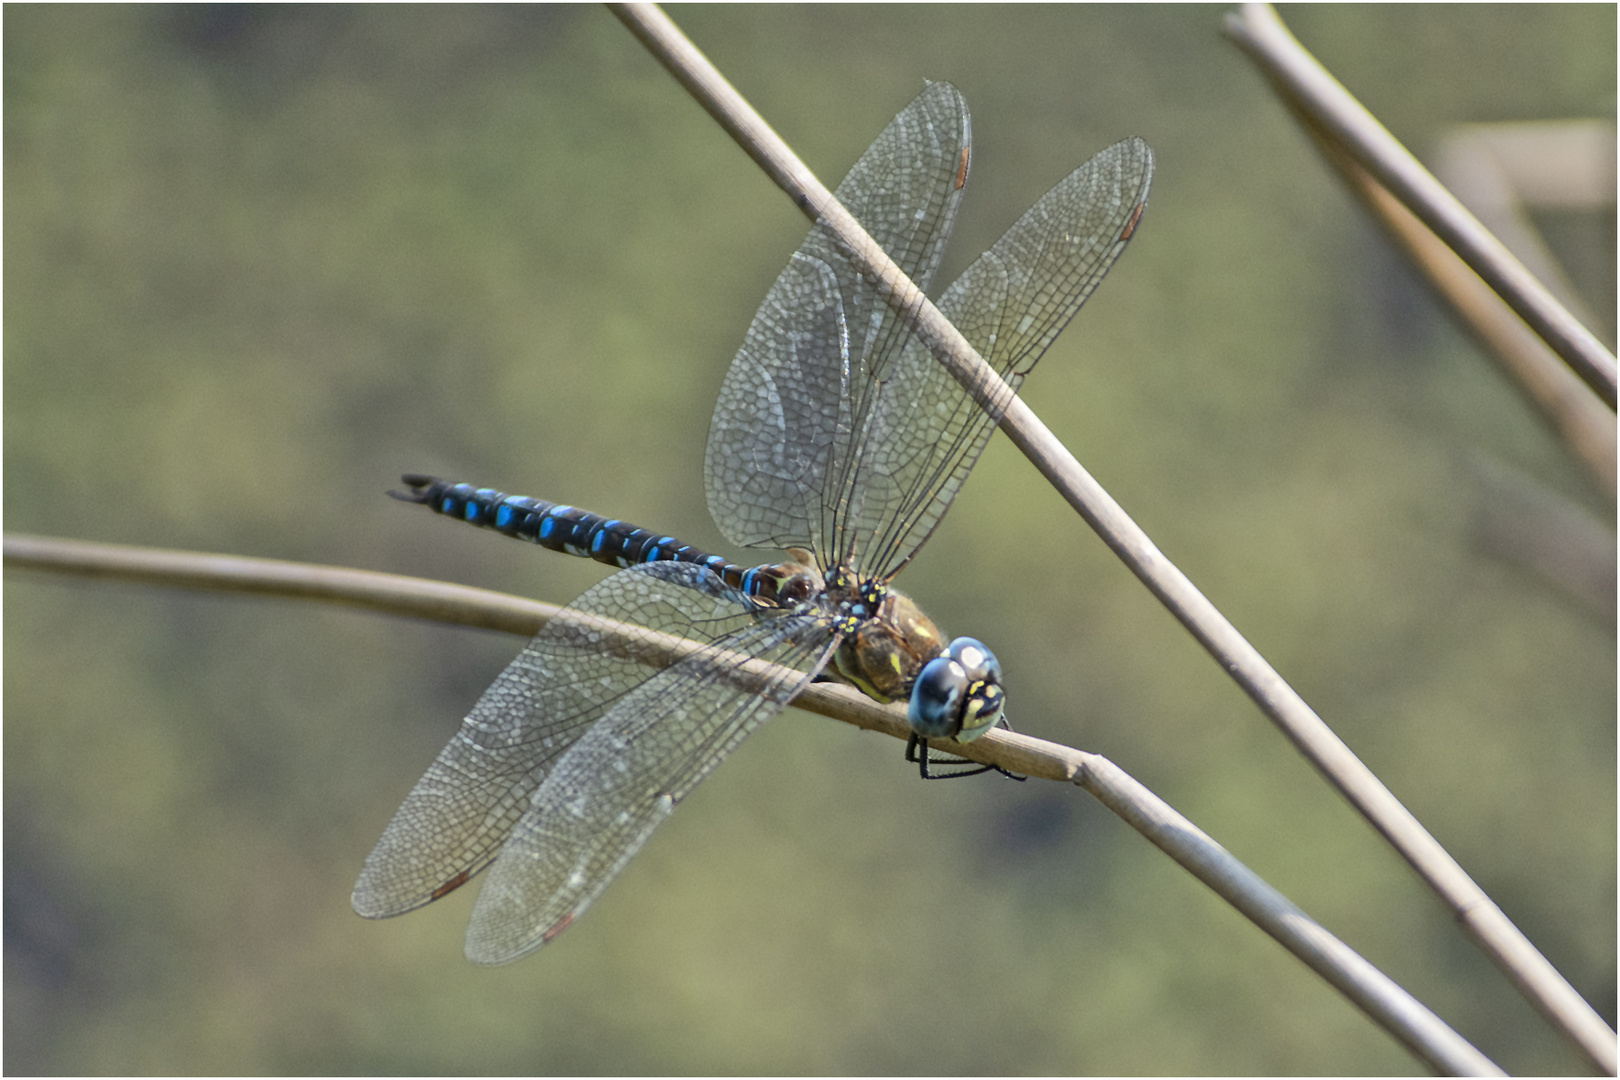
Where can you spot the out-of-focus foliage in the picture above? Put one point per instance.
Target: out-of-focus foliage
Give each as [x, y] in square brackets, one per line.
[260, 260]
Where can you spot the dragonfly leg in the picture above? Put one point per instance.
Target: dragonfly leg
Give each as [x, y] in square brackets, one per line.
[924, 760]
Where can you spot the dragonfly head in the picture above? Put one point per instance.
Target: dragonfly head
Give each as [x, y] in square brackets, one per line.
[958, 693]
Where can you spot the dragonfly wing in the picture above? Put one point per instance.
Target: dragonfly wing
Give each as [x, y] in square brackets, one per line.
[460, 813]
[794, 397]
[628, 772]
[925, 432]
[454, 822]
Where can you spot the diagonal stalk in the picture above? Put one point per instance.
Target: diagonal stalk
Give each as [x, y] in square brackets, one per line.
[1507, 946]
[1313, 91]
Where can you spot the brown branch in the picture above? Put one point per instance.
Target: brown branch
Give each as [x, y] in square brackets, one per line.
[1474, 909]
[395, 594]
[1323, 101]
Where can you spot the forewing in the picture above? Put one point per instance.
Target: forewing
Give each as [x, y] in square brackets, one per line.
[454, 822]
[925, 432]
[626, 775]
[804, 378]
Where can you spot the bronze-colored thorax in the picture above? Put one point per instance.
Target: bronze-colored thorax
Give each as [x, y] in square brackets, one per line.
[887, 639]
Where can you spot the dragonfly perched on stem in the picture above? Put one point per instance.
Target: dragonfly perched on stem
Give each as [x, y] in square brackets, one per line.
[838, 439]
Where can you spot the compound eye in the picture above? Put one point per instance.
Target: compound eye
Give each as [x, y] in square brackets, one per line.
[958, 693]
[983, 700]
[937, 697]
[978, 662]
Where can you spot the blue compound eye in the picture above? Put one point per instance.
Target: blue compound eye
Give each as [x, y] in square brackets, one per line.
[976, 659]
[958, 694]
[936, 699]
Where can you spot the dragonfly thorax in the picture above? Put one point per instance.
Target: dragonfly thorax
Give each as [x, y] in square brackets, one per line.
[887, 639]
[891, 651]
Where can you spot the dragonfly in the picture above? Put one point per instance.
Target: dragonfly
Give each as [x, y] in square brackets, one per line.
[838, 439]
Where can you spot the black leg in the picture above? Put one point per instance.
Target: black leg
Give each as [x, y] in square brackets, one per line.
[924, 760]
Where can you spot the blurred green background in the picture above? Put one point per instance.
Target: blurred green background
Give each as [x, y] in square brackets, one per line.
[261, 260]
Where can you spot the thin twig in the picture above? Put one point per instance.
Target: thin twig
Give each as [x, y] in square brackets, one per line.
[1585, 427]
[390, 593]
[1460, 258]
[1475, 910]
[1313, 91]
[1379, 996]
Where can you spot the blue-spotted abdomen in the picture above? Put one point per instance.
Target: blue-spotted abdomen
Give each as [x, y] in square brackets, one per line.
[578, 532]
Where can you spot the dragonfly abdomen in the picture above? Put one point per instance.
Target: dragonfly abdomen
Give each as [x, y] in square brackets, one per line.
[574, 531]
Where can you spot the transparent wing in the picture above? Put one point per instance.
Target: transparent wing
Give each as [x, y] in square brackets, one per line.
[924, 432]
[809, 366]
[660, 736]
[465, 807]
[455, 820]
[837, 431]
